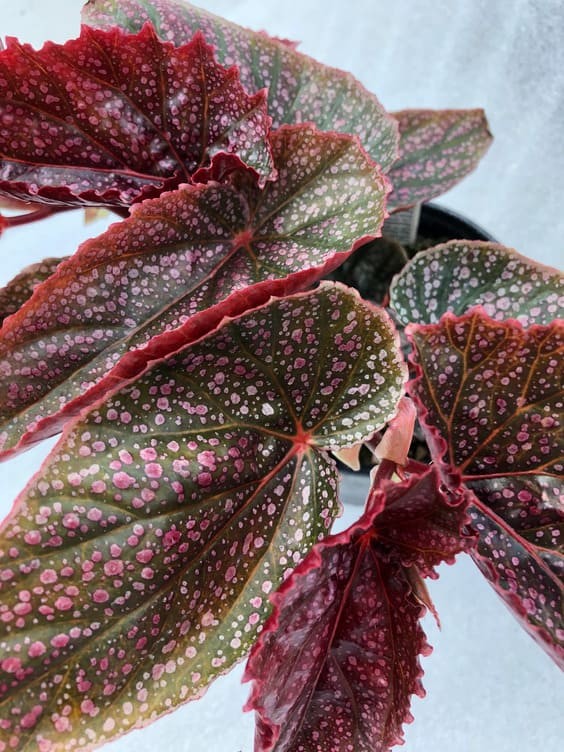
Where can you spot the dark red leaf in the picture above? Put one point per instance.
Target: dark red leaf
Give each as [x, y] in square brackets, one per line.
[421, 521]
[112, 118]
[337, 662]
[174, 269]
[490, 398]
[299, 88]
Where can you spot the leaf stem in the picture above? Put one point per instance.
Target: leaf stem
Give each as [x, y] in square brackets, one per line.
[121, 211]
[374, 503]
[414, 467]
[33, 216]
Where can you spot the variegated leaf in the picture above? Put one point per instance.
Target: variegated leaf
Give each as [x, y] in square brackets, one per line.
[491, 402]
[458, 275]
[136, 565]
[337, 662]
[20, 289]
[175, 268]
[299, 88]
[437, 149]
[112, 118]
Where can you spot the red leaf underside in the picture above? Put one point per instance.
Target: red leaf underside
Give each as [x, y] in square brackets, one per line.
[491, 396]
[172, 271]
[336, 665]
[299, 88]
[338, 672]
[421, 522]
[136, 566]
[396, 441]
[112, 118]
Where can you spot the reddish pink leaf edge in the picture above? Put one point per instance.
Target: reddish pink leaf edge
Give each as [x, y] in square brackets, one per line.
[292, 44]
[453, 477]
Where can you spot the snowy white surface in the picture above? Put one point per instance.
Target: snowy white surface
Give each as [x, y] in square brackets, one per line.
[489, 686]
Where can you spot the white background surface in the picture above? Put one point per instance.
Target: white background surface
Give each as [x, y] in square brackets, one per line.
[489, 686]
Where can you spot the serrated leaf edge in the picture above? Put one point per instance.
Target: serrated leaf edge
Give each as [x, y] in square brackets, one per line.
[453, 477]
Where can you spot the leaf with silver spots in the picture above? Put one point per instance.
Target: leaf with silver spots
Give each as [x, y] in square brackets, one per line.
[21, 287]
[173, 270]
[112, 118]
[461, 274]
[437, 149]
[491, 404]
[136, 566]
[299, 88]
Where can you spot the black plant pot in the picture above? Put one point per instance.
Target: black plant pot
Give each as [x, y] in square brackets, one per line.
[371, 268]
[443, 224]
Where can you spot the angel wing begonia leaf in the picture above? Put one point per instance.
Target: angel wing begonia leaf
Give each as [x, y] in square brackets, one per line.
[458, 275]
[299, 88]
[437, 148]
[20, 289]
[490, 397]
[136, 565]
[337, 662]
[338, 670]
[111, 118]
[178, 265]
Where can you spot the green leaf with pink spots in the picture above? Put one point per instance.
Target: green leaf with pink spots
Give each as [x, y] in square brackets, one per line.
[175, 268]
[337, 662]
[299, 88]
[20, 289]
[490, 400]
[135, 567]
[458, 275]
[112, 118]
[437, 149]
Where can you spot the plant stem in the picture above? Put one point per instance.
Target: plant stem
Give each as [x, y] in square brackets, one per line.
[33, 216]
[385, 471]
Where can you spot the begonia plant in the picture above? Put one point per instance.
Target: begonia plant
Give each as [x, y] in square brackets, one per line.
[206, 379]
